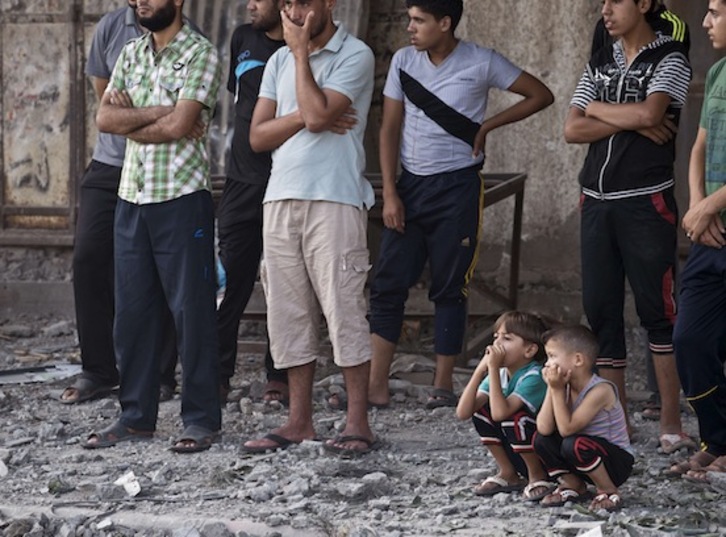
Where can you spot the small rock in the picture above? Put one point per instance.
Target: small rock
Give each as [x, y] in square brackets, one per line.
[275, 520]
[17, 330]
[3, 470]
[352, 490]
[62, 328]
[298, 486]
[216, 529]
[186, 532]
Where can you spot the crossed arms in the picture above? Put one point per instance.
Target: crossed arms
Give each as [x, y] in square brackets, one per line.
[152, 124]
[600, 120]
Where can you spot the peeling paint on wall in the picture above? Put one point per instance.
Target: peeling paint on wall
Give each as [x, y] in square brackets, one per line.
[36, 121]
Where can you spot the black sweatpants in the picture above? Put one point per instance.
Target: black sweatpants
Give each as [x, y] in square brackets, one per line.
[164, 255]
[633, 238]
[514, 434]
[239, 230]
[443, 226]
[580, 455]
[700, 341]
[93, 270]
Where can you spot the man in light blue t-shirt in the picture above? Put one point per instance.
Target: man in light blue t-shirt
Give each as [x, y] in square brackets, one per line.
[311, 113]
[433, 121]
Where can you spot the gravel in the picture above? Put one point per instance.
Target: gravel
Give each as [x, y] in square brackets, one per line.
[419, 483]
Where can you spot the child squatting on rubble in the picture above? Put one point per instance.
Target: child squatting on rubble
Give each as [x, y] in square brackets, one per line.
[581, 430]
[502, 398]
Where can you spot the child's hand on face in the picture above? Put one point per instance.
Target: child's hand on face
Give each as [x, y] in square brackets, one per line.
[496, 355]
[555, 377]
[483, 366]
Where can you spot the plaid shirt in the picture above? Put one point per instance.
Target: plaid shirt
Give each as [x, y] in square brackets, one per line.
[187, 68]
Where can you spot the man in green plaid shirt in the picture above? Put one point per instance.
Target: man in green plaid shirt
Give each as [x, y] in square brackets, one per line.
[160, 96]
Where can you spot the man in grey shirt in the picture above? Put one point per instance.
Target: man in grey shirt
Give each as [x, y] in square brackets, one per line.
[93, 247]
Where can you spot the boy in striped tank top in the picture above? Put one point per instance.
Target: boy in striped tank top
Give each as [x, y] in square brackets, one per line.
[582, 434]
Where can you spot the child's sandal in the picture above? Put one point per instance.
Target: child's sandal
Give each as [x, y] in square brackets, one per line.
[495, 484]
[562, 495]
[608, 502]
[531, 493]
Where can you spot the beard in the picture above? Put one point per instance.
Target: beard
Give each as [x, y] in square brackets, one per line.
[267, 22]
[160, 20]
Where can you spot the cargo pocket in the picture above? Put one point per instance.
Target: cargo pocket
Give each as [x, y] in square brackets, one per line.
[354, 267]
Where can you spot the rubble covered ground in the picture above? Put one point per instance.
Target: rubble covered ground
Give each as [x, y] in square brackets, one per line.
[418, 484]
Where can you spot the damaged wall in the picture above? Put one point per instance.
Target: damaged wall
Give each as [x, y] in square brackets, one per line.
[44, 87]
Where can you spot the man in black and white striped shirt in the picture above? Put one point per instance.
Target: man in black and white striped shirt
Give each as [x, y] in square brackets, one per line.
[626, 107]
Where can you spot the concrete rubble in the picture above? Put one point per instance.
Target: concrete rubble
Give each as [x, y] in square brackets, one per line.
[418, 484]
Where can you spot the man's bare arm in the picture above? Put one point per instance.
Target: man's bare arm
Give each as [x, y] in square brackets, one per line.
[268, 132]
[115, 116]
[394, 214]
[320, 108]
[99, 86]
[580, 129]
[631, 116]
[171, 127]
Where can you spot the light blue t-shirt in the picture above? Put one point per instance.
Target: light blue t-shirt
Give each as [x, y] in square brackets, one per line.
[526, 383]
[462, 81]
[322, 166]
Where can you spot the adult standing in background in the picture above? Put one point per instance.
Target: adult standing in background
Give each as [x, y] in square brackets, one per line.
[239, 216]
[93, 246]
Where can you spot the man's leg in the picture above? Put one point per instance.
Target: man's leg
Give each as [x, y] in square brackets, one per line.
[169, 354]
[383, 352]
[239, 227]
[401, 259]
[453, 229]
[93, 274]
[140, 304]
[337, 260]
[299, 424]
[293, 316]
[700, 343]
[182, 232]
[647, 237]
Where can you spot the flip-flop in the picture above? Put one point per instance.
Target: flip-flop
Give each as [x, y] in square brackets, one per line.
[280, 443]
[561, 495]
[670, 443]
[547, 488]
[201, 437]
[348, 453]
[610, 502]
[494, 485]
[701, 475]
[441, 398]
[86, 390]
[339, 401]
[696, 462]
[115, 434]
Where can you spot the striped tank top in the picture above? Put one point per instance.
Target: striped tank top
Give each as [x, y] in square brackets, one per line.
[607, 424]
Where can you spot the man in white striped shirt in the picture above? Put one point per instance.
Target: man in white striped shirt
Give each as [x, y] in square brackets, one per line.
[627, 101]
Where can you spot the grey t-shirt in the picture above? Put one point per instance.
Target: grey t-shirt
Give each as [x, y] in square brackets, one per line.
[114, 30]
[461, 82]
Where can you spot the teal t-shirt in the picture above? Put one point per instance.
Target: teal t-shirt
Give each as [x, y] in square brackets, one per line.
[526, 383]
[713, 120]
